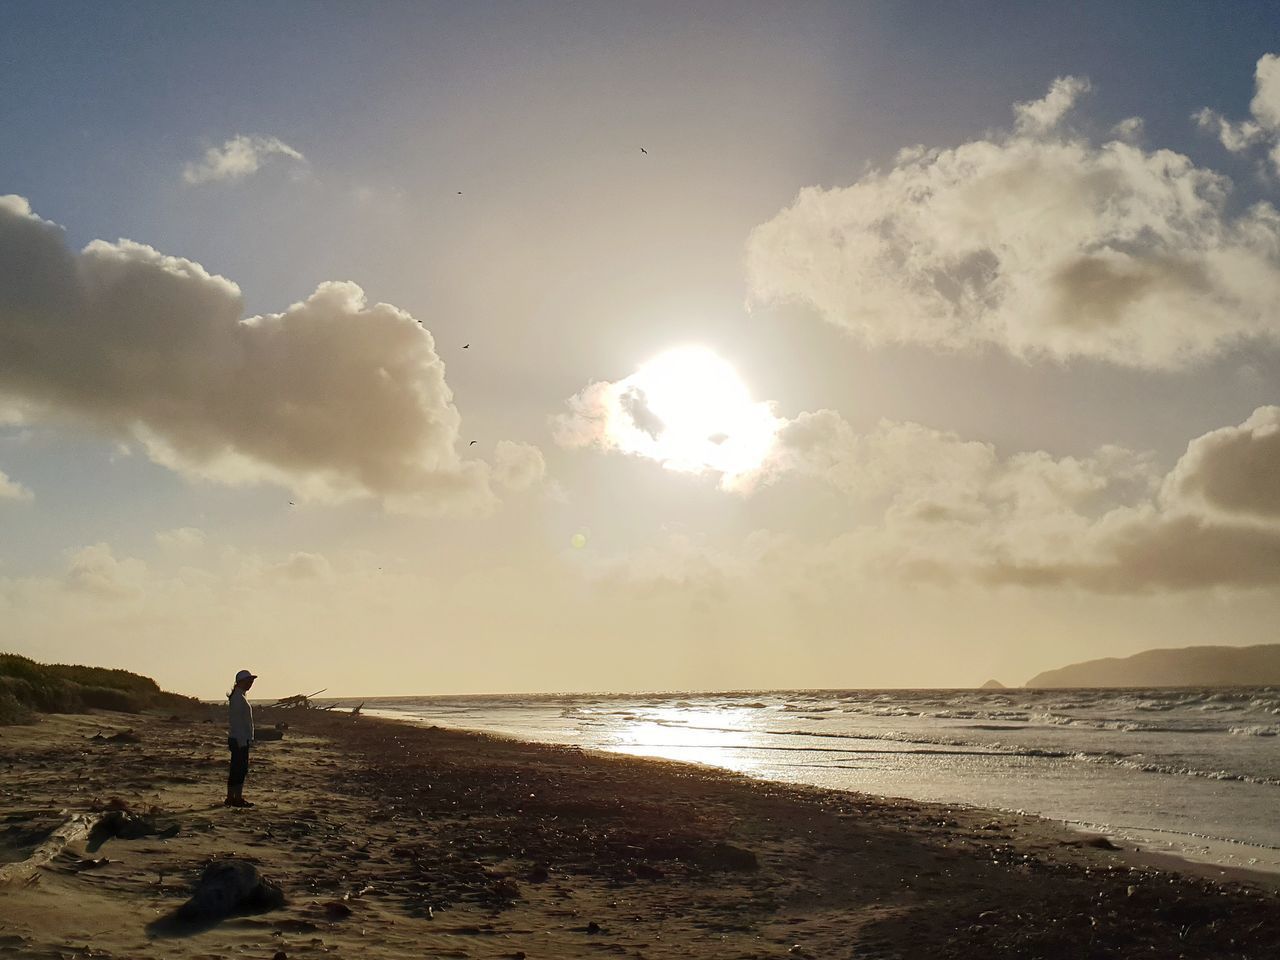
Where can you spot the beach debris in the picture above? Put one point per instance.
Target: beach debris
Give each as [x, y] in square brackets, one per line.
[231, 886]
[592, 927]
[77, 827]
[93, 863]
[127, 825]
[279, 955]
[123, 736]
[299, 701]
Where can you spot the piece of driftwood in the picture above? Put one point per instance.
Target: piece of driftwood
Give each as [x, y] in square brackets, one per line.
[76, 827]
[298, 701]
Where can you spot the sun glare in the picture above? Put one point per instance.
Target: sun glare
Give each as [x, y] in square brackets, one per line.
[689, 410]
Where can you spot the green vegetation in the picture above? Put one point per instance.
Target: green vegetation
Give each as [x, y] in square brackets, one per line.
[27, 688]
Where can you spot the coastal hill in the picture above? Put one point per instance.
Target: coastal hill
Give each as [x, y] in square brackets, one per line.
[1184, 667]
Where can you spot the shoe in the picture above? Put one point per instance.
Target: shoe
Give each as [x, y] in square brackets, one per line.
[240, 802]
[229, 802]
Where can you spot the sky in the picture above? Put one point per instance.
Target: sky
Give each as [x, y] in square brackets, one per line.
[456, 348]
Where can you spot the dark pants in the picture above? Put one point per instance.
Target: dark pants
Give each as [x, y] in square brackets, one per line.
[239, 764]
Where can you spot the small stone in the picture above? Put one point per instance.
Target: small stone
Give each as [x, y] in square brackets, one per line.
[337, 909]
[593, 927]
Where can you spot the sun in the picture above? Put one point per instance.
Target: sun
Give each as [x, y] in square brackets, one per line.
[688, 409]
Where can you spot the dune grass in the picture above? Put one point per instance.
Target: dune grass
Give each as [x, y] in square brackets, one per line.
[28, 688]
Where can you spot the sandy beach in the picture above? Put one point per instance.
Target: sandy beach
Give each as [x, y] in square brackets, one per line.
[390, 841]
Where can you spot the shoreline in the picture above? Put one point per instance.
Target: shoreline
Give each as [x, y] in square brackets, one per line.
[438, 842]
[1136, 853]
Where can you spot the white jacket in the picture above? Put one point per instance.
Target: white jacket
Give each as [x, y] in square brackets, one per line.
[241, 727]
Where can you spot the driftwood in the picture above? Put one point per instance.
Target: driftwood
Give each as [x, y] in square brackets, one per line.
[78, 827]
[300, 701]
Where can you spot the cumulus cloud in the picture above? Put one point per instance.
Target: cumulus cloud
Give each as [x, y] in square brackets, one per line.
[1041, 116]
[955, 509]
[12, 490]
[1037, 241]
[95, 570]
[239, 157]
[1264, 127]
[333, 397]
[1235, 470]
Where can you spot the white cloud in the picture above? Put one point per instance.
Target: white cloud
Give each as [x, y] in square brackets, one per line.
[1037, 241]
[1264, 128]
[1234, 470]
[1130, 129]
[96, 570]
[239, 157]
[518, 466]
[181, 537]
[954, 509]
[1041, 116]
[12, 490]
[332, 398]
[1236, 137]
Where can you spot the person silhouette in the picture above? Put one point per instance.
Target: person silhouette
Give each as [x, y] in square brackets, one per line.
[239, 738]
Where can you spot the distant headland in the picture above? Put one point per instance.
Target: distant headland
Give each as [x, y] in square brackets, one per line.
[1184, 667]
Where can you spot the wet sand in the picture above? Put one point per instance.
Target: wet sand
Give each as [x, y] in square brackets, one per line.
[394, 841]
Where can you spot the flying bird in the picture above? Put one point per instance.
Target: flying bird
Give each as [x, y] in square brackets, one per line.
[472, 443]
[465, 345]
[644, 151]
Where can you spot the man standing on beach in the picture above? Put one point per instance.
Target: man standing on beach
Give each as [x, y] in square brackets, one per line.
[239, 737]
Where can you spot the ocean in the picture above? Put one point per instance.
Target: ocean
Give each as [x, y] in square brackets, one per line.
[1191, 772]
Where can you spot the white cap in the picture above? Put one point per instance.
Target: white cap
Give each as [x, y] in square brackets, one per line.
[245, 675]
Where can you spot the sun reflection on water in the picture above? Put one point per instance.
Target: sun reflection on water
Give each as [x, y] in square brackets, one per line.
[722, 738]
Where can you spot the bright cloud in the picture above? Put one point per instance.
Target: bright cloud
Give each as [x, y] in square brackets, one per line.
[332, 398]
[239, 157]
[1035, 241]
[12, 490]
[686, 409]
